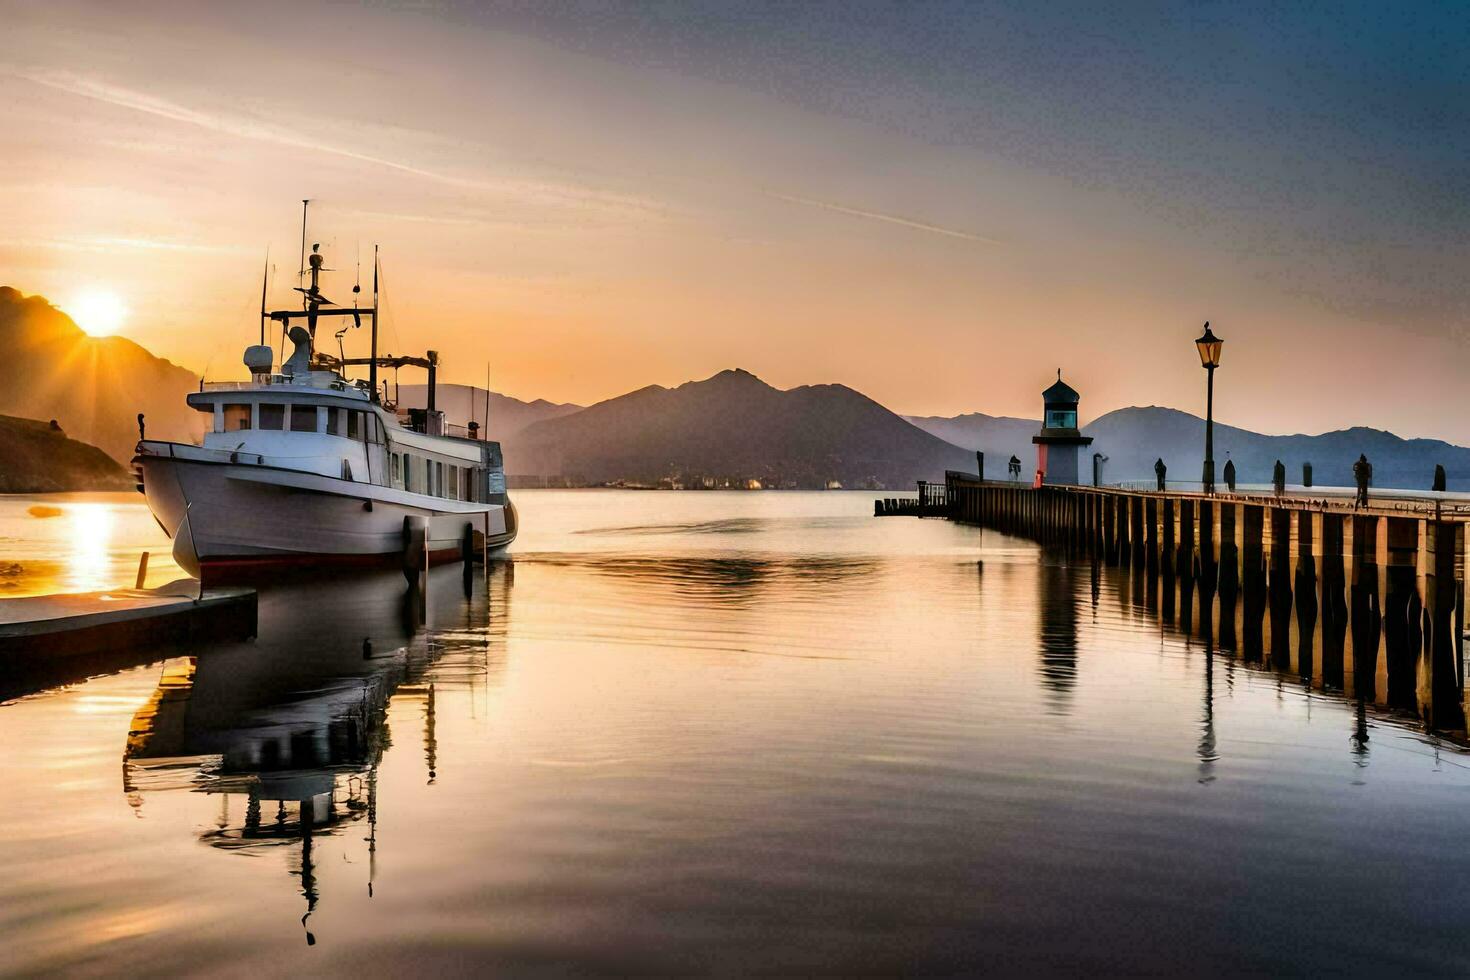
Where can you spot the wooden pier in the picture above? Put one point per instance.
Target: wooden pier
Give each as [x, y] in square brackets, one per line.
[1368, 601]
[51, 638]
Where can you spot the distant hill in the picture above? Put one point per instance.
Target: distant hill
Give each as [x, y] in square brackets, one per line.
[94, 386]
[734, 427]
[461, 403]
[1132, 438]
[999, 437]
[41, 459]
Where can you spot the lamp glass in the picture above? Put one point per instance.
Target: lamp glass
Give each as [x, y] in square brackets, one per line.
[1209, 349]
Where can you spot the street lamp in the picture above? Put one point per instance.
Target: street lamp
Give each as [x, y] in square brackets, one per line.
[1097, 460]
[1209, 357]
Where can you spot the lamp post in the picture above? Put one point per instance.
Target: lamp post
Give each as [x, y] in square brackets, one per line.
[1209, 357]
[1097, 460]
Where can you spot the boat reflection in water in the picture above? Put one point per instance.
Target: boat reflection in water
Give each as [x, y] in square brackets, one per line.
[289, 729]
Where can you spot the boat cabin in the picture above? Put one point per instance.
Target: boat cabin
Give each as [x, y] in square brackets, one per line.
[340, 433]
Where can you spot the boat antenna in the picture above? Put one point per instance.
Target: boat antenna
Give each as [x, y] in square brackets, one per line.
[373, 360]
[301, 273]
[265, 275]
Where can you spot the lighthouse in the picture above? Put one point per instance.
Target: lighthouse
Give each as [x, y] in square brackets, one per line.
[1059, 438]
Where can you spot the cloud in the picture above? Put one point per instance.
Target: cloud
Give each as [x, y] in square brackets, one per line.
[892, 219]
[98, 243]
[247, 128]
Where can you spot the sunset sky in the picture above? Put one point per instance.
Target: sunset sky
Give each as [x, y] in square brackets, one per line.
[937, 204]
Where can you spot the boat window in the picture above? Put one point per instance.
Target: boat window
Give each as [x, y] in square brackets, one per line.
[439, 480]
[397, 473]
[453, 485]
[374, 428]
[303, 418]
[237, 417]
[272, 416]
[334, 421]
[354, 425]
[407, 471]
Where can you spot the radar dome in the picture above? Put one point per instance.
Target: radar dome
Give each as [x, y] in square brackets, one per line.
[258, 358]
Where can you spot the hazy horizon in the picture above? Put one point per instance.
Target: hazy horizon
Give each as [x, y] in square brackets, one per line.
[936, 205]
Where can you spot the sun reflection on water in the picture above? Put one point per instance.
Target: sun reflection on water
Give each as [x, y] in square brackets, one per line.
[89, 540]
[55, 543]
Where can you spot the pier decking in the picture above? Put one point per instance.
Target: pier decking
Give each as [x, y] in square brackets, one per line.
[1365, 600]
[60, 626]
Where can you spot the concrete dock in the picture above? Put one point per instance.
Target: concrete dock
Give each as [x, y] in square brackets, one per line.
[53, 627]
[1369, 601]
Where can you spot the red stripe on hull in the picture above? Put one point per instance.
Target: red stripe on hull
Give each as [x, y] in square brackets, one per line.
[245, 562]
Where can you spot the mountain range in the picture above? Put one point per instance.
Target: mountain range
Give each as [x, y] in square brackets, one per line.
[463, 403]
[94, 387]
[1133, 438]
[731, 429]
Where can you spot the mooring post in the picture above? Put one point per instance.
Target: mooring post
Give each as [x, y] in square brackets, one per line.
[1136, 536]
[1354, 531]
[1299, 555]
[1439, 690]
[1254, 640]
[1227, 573]
[1151, 534]
[142, 570]
[1310, 607]
[1370, 659]
[1279, 579]
[1336, 563]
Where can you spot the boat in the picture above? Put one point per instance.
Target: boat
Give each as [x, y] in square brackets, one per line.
[302, 465]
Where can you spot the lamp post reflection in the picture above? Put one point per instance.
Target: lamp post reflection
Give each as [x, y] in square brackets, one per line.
[1208, 749]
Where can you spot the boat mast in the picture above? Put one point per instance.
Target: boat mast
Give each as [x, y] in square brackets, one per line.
[264, 279]
[373, 362]
[301, 272]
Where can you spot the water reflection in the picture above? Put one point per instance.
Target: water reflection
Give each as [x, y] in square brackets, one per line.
[739, 579]
[289, 730]
[810, 746]
[1057, 631]
[53, 543]
[1294, 638]
[1208, 745]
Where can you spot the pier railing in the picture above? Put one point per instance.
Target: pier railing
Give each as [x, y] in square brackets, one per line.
[932, 500]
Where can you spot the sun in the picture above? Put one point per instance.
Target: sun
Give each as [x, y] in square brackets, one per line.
[99, 312]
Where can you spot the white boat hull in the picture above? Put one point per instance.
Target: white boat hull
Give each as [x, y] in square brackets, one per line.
[227, 514]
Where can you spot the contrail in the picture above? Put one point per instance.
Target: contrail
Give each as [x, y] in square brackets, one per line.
[892, 219]
[143, 102]
[245, 128]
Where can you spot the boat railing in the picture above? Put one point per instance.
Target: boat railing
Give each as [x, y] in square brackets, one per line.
[260, 380]
[268, 380]
[174, 450]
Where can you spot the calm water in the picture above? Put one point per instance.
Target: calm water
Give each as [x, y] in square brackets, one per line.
[717, 733]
